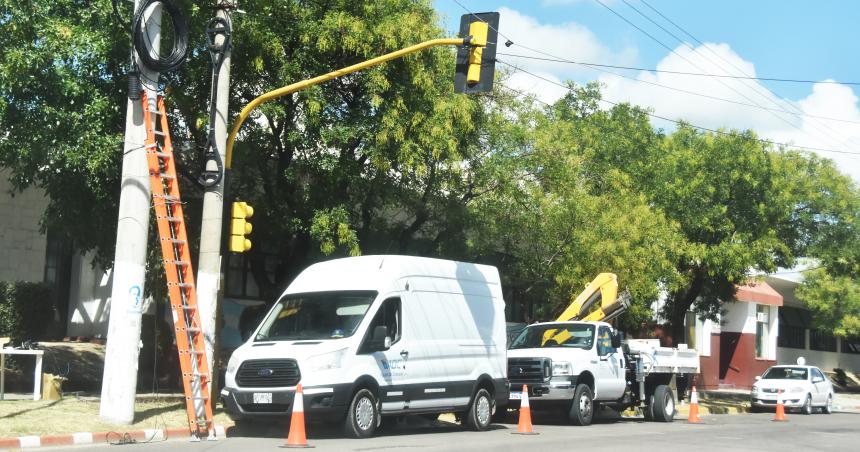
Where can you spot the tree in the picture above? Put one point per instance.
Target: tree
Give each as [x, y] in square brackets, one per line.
[373, 162]
[833, 300]
[554, 221]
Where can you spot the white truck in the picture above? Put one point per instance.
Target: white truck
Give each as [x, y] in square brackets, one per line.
[579, 365]
[377, 336]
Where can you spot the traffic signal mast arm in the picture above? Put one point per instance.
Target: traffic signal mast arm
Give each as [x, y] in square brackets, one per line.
[298, 86]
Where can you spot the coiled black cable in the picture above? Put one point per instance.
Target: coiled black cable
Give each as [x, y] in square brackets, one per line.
[142, 45]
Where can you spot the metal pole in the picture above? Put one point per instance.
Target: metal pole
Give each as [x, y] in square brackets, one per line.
[119, 383]
[209, 287]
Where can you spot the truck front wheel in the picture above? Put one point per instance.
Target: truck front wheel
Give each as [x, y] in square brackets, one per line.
[662, 404]
[582, 408]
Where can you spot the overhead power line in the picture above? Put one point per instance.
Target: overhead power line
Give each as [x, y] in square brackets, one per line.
[664, 71]
[677, 122]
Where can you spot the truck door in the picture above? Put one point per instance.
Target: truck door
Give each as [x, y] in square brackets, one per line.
[610, 379]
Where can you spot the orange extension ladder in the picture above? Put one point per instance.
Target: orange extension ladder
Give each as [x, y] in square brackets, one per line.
[177, 264]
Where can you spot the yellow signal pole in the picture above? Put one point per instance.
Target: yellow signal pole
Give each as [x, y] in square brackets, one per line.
[298, 86]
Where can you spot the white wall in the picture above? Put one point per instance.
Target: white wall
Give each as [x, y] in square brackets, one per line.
[827, 361]
[89, 298]
[739, 317]
[23, 257]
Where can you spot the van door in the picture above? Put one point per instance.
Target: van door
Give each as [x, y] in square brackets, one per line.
[610, 380]
[396, 371]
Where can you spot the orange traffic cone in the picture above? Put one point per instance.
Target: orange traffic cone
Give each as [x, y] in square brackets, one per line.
[525, 424]
[694, 408]
[780, 408]
[297, 437]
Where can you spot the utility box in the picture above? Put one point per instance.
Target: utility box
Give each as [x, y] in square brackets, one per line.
[52, 386]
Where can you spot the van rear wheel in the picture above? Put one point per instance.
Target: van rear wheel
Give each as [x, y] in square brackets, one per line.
[480, 414]
[363, 415]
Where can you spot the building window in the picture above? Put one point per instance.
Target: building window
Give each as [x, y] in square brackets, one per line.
[762, 317]
[793, 323]
[851, 345]
[822, 341]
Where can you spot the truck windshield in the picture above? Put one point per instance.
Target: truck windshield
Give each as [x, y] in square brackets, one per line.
[315, 316]
[574, 335]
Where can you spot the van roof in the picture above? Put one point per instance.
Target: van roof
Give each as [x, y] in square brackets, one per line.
[379, 272]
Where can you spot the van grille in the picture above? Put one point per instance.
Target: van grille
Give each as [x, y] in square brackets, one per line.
[529, 370]
[268, 373]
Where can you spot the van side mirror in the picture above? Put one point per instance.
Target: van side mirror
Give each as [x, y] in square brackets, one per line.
[616, 340]
[379, 340]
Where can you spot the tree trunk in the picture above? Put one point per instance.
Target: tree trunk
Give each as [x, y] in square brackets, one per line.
[681, 303]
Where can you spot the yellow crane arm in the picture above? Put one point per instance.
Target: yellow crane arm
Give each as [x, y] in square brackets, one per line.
[604, 287]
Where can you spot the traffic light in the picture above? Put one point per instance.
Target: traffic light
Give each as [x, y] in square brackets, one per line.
[240, 227]
[476, 61]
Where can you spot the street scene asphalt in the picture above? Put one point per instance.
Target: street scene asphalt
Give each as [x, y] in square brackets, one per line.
[744, 432]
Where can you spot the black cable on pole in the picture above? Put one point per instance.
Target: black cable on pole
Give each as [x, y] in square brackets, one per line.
[217, 26]
[179, 52]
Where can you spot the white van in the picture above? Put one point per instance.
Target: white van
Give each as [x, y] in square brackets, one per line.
[376, 336]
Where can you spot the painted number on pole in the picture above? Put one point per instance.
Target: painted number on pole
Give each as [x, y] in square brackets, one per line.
[136, 307]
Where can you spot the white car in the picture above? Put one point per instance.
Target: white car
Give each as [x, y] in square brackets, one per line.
[804, 388]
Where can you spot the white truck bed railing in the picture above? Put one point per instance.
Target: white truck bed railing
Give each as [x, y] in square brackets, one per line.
[656, 359]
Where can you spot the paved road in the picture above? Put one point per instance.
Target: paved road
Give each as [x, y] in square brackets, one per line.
[747, 432]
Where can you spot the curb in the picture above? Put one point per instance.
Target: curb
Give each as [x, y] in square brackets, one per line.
[79, 438]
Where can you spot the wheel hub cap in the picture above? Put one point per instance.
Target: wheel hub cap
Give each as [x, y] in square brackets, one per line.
[364, 413]
[483, 410]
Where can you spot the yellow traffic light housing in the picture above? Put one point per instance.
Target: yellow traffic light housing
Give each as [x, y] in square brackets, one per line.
[240, 227]
[476, 60]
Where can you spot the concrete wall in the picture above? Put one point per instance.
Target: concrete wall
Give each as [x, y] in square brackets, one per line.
[23, 257]
[827, 361]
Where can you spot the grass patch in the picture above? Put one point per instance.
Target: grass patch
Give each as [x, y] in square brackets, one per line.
[71, 414]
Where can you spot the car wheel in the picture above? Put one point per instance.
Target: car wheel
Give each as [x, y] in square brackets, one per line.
[582, 408]
[807, 405]
[363, 415]
[480, 413]
[664, 404]
[828, 409]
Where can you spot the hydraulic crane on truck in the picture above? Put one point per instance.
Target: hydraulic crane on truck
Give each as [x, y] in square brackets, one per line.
[584, 307]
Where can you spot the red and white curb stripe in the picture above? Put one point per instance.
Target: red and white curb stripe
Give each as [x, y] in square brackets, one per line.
[74, 439]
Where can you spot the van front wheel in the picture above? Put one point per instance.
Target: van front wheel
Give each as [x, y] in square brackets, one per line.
[480, 413]
[363, 415]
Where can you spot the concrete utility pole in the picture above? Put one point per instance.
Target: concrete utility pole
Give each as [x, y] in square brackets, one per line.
[119, 383]
[209, 287]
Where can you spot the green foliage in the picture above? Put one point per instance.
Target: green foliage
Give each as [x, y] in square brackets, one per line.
[834, 301]
[26, 310]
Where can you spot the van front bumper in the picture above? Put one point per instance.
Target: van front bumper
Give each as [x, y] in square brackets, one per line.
[324, 403]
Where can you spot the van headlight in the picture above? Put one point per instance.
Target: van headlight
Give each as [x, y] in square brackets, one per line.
[326, 361]
[233, 364]
[561, 368]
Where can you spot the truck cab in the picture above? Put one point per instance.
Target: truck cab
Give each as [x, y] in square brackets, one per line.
[562, 362]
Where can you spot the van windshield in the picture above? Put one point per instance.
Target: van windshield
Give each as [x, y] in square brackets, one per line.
[315, 316]
[575, 335]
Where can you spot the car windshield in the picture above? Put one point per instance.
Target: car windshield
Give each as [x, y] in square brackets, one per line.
[785, 373]
[574, 335]
[315, 316]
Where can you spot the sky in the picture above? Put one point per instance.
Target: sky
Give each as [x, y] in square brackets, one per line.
[786, 39]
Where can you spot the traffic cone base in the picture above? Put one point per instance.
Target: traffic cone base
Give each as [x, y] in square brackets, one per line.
[297, 438]
[693, 418]
[524, 426]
